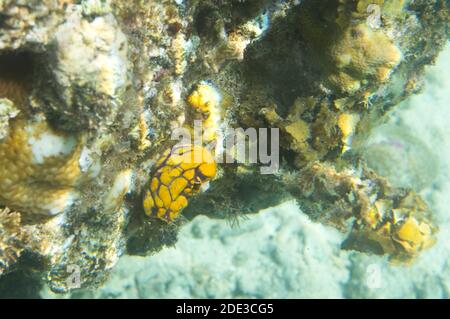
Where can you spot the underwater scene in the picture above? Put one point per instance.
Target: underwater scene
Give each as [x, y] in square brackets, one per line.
[257, 149]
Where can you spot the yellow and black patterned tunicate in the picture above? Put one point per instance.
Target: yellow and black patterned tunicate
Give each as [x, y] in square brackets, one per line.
[178, 175]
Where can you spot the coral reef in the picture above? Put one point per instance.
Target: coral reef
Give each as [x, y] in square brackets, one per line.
[29, 24]
[91, 93]
[286, 255]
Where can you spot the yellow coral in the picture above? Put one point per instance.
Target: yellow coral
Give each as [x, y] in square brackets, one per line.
[375, 215]
[362, 54]
[179, 174]
[347, 124]
[144, 142]
[178, 53]
[38, 167]
[206, 99]
[403, 231]
[414, 235]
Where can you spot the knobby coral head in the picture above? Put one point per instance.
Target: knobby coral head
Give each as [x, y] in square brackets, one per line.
[179, 174]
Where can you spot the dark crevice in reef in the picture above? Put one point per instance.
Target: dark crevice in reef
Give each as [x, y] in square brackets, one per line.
[231, 13]
[20, 285]
[23, 282]
[16, 74]
[265, 62]
[16, 65]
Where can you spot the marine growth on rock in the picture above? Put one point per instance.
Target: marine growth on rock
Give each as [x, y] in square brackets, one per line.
[91, 93]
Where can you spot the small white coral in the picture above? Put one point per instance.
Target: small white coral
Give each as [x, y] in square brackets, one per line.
[92, 54]
[89, 67]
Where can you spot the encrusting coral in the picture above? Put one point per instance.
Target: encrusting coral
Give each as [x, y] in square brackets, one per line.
[362, 55]
[353, 54]
[206, 100]
[91, 93]
[387, 220]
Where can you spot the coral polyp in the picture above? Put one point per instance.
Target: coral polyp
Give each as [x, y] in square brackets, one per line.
[178, 175]
[204, 98]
